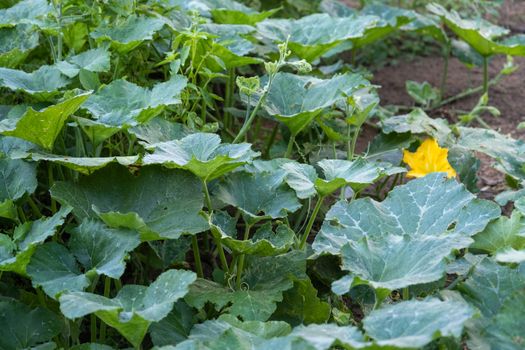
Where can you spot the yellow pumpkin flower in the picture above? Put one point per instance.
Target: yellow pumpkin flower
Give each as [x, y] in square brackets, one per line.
[428, 158]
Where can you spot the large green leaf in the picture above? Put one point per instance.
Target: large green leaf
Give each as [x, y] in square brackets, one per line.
[417, 122]
[415, 323]
[501, 235]
[54, 268]
[431, 206]
[102, 249]
[491, 284]
[122, 103]
[296, 100]
[84, 165]
[17, 179]
[24, 12]
[227, 332]
[16, 43]
[508, 152]
[15, 253]
[505, 330]
[263, 283]
[158, 202]
[95, 60]
[480, 34]
[229, 11]
[135, 307]
[391, 19]
[175, 327]
[202, 154]
[43, 83]
[394, 262]
[159, 130]
[301, 305]
[258, 196]
[127, 35]
[264, 242]
[23, 327]
[42, 127]
[312, 36]
[358, 174]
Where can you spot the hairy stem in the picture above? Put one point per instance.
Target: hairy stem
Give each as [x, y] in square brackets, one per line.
[197, 256]
[240, 263]
[311, 221]
[485, 75]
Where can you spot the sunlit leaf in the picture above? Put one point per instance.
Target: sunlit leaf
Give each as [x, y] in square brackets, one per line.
[417, 322]
[202, 154]
[42, 127]
[427, 207]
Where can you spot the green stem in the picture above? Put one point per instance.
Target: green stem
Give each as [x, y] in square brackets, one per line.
[197, 256]
[51, 182]
[230, 85]
[311, 221]
[289, 149]
[351, 150]
[406, 293]
[59, 40]
[485, 75]
[34, 207]
[107, 290]
[270, 141]
[248, 123]
[240, 263]
[21, 214]
[217, 241]
[93, 328]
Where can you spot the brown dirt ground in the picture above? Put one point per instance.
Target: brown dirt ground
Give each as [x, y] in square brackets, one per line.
[508, 96]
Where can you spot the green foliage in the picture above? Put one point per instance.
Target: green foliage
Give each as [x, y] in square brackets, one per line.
[192, 175]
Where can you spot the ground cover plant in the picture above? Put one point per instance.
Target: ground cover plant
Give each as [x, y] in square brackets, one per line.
[213, 174]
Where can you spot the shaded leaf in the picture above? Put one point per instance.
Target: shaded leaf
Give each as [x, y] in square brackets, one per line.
[149, 202]
[23, 327]
[258, 196]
